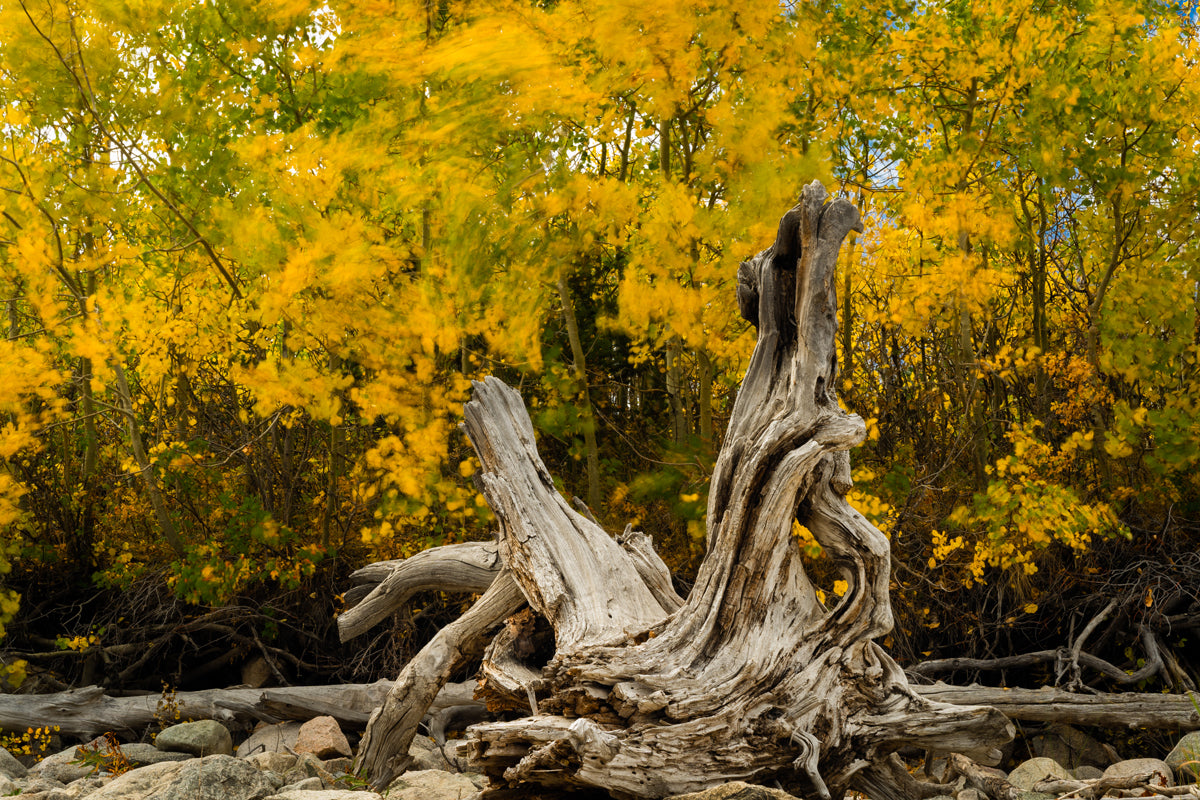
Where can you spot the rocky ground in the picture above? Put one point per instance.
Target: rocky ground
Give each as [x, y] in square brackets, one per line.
[312, 761]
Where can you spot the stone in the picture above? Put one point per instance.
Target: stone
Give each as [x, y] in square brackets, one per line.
[325, 794]
[1027, 773]
[1123, 769]
[137, 784]
[432, 784]
[1087, 773]
[38, 783]
[140, 754]
[308, 766]
[306, 785]
[86, 786]
[206, 737]
[427, 755]
[7, 786]
[1184, 758]
[10, 767]
[969, 794]
[339, 766]
[216, 777]
[277, 738]
[257, 673]
[323, 737]
[61, 767]
[1070, 747]
[735, 790]
[271, 761]
[49, 794]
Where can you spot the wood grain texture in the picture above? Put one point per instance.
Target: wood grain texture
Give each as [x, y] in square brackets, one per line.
[751, 677]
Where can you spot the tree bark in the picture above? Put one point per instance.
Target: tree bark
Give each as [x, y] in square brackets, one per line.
[751, 676]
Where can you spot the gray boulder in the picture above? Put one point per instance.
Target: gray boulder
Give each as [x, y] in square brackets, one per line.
[61, 768]
[277, 738]
[1030, 772]
[218, 777]
[431, 784]
[10, 767]
[137, 784]
[206, 737]
[309, 766]
[426, 754]
[271, 761]
[324, 794]
[140, 754]
[736, 790]
[1184, 758]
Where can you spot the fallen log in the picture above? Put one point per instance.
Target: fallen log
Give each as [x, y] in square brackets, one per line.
[1127, 711]
[88, 712]
[751, 676]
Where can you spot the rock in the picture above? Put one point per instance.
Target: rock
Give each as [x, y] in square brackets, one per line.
[137, 784]
[1030, 772]
[139, 754]
[7, 786]
[735, 790]
[306, 785]
[323, 737]
[271, 761]
[216, 777]
[1086, 773]
[204, 738]
[308, 766]
[10, 767]
[969, 794]
[257, 673]
[339, 766]
[1123, 769]
[38, 783]
[427, 755]
[60, 767]
[49, 794]
[325, 794]
[1070, 747]
[1184, 758]
[86, 786]
[432, 784]
[271, 739]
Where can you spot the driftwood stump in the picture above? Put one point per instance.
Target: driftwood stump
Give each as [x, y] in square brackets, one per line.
[751, 677]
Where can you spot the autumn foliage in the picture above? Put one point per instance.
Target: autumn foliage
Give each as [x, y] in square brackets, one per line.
[252, 254]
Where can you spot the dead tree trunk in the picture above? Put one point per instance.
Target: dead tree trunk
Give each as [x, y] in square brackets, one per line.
[751, 678]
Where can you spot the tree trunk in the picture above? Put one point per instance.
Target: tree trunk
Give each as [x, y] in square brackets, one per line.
[751, 676]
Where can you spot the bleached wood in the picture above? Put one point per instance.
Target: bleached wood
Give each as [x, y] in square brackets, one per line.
[751, 677]
[572, 572]
[1130, 711]
[383, 752]
[467, 567]
[88, 712]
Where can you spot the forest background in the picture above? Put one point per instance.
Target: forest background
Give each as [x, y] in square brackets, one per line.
[252, 254]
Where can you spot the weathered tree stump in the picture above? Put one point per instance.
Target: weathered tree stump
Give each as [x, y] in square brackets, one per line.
[751, 677]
